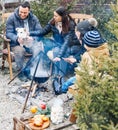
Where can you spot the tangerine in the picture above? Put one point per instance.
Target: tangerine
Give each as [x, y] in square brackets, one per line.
[34, 109]
[45, 118]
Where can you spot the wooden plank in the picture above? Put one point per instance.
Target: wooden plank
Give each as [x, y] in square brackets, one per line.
[61, 126]
[22, 124]
[80, 17]
[5, 16]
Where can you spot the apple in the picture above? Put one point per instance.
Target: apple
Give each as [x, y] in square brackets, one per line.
[43, 106]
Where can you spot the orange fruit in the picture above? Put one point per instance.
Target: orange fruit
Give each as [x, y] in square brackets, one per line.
[34, 109]
[38, 122]
[45, 118]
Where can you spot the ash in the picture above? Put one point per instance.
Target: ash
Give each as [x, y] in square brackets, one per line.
[13, 96]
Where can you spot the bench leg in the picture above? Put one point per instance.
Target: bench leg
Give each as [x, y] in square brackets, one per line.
[10, 62]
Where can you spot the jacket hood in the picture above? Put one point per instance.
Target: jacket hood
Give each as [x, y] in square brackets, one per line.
[101, 50]
[16, 12]
[95, 55]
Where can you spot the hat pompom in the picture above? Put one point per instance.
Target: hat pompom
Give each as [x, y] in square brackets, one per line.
[93, 22]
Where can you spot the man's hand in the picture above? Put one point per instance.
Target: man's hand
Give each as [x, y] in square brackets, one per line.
[25, 41]
[30, 38]
[20, 40]
[71, 60]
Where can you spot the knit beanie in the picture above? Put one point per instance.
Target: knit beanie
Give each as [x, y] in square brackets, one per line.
[61, 11]
[93, 39]
[84, 27]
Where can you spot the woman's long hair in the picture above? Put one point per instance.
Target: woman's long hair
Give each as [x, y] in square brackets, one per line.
[66, 19]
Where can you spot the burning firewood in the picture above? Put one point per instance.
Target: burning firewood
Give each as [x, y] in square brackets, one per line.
[27, 84]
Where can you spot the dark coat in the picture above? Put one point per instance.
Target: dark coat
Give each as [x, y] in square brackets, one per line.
[14, 21]
[63, 40]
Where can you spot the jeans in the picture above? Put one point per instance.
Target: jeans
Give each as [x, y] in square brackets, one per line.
[68, 83]
[59, 67]
[19, 56]
[19, 52]
[48, 43]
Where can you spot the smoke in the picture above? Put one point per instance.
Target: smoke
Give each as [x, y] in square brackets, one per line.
[43, 69]
[39, 51]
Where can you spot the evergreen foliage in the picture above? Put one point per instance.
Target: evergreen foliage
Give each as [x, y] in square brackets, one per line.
[44, 9]
[112, 25]
[102, 13]
[97, 104]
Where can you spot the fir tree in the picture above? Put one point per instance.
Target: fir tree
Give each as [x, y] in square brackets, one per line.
[112, 25]
[96, 104]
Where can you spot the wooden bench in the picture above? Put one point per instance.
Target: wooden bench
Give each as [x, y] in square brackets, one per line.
[80, 17]
[5, 16]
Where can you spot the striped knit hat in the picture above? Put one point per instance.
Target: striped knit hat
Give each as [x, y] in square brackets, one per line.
[93, 39]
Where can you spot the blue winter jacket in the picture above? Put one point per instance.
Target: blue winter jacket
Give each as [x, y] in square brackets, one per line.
[63, 40]
[15, 21]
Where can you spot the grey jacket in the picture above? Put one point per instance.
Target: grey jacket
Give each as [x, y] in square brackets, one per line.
[15, 21]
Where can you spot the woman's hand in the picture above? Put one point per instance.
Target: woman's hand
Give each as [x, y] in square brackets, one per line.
[56, 59]
[71, 60]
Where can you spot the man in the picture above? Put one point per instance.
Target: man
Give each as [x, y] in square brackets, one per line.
[21, 18]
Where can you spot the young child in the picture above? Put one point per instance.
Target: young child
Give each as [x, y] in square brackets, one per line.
[96, 47]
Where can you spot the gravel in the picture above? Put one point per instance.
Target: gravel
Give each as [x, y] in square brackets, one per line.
[9, 105]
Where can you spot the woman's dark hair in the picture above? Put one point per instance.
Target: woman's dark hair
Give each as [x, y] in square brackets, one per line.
[65, 19]
[25, 4]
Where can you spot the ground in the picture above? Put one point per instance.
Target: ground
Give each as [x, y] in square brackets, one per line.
[8, 107]
[11, 104]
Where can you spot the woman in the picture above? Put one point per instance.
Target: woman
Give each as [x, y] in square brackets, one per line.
[64, 39]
